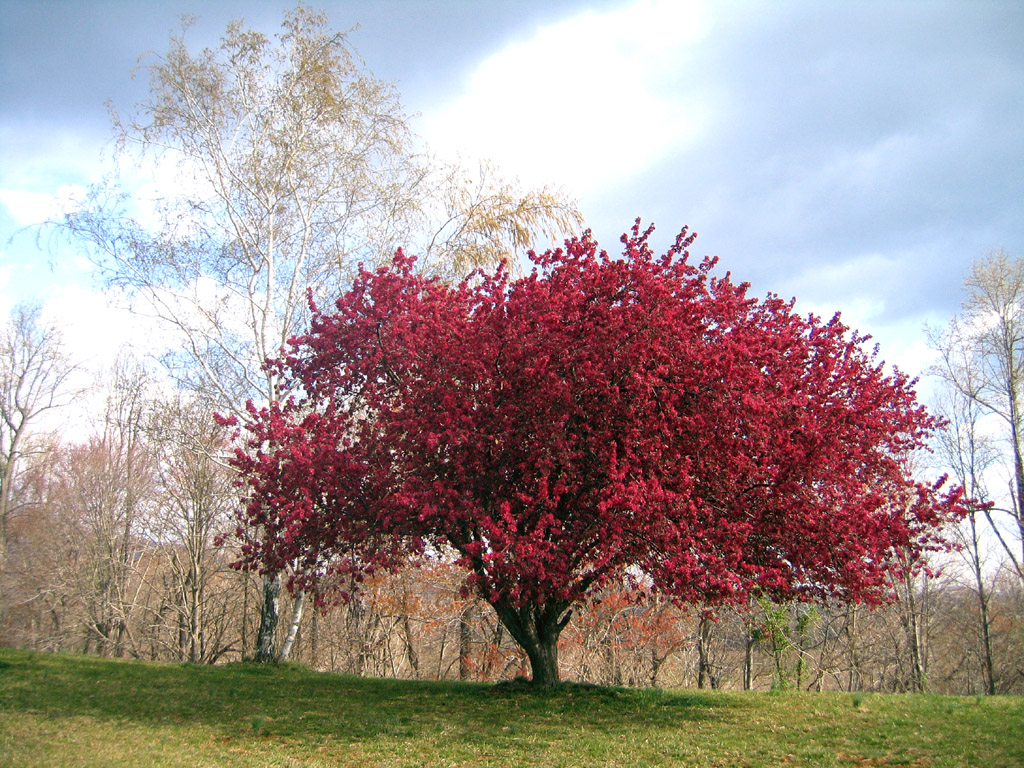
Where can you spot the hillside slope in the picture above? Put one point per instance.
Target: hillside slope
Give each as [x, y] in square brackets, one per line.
[85, 711]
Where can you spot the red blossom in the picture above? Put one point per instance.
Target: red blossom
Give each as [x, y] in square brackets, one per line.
[597, 418]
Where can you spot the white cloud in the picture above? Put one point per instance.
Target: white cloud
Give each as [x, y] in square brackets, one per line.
[860, 289]
[6, 304]
[826, 284]
[28, 208]
[95, 326]
[586, 103]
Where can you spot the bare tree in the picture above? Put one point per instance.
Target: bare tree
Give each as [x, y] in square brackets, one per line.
[981, 358]
[106, 491]
[964, 448]
[34, 378]
[196, 496]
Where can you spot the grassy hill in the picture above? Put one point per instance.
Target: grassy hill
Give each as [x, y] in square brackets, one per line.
[83, 711]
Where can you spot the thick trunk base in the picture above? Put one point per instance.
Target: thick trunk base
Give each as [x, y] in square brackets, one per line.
[536, 629]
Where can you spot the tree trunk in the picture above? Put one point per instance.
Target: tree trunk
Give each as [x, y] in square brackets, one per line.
[536, 629]
[182, 636]
[748, 659]
[314, 642]
[267, 636]
[544, 661]
[612, 673]
[466, 619]
[411, 656]
[293, 627]
[3, 547]
[983, 603]
[912, 626]
[854, 681]
[1013, 386]
[245, 614]
[990, 674]
[703, 660]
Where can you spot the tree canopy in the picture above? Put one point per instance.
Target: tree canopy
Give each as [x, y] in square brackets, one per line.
[599, 419]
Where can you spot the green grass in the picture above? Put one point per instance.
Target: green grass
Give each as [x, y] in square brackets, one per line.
[83, 711]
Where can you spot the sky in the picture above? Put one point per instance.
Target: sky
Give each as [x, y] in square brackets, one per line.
[855, 155]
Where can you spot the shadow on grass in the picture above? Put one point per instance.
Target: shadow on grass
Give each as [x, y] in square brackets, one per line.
[294, 703]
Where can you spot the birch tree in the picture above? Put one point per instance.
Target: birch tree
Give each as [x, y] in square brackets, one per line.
[965, 448]
[981, 358]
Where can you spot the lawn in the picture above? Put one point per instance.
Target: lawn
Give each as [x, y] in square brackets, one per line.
[84, 711]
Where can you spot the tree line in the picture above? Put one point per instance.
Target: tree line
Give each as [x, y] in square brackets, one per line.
[113, 552]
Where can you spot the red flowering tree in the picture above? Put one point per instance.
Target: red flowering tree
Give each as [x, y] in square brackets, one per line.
[600, 419]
